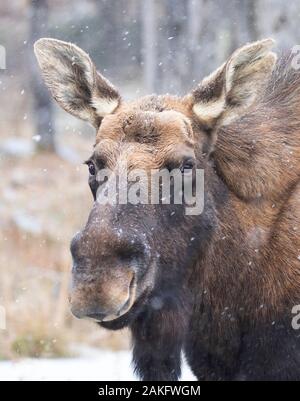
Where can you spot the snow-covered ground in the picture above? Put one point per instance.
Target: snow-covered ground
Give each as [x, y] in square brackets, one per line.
[92, 365]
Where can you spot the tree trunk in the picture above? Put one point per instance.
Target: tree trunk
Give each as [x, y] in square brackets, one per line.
[243, 20]
[193, 31]
[149, 45]
[42, 105]
[173, 47]
[252, 23]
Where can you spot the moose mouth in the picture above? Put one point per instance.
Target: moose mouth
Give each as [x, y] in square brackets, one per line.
[125, 308]
[128, 314]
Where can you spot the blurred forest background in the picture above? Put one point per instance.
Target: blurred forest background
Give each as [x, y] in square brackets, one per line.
[142, 46]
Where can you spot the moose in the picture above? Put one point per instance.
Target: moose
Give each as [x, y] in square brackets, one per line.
[218, 287]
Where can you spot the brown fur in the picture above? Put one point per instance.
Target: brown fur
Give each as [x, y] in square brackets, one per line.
[221, 285]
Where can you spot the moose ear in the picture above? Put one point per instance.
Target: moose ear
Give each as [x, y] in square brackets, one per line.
[74, 82]
[234, 86]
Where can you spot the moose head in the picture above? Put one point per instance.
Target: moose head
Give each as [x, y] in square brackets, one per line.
[132, 256]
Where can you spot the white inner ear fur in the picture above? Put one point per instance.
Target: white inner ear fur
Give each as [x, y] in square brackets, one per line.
[210, 110]
[104, 106]
[69, 73]
[247, 58]
[254, 61]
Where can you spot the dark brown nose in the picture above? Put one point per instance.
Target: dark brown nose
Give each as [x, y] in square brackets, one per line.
[104, 297]
[95, 246]
[104, 276]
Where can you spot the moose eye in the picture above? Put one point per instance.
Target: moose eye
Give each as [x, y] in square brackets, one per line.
[187, 165]
[92, 168]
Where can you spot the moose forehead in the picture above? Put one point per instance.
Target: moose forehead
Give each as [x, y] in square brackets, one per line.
[162, 132]
[157, 123]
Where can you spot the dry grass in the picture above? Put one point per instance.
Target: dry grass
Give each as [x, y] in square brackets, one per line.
[44, 200]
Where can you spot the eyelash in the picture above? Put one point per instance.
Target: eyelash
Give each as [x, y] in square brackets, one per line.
[92, 168]
[187, 164]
